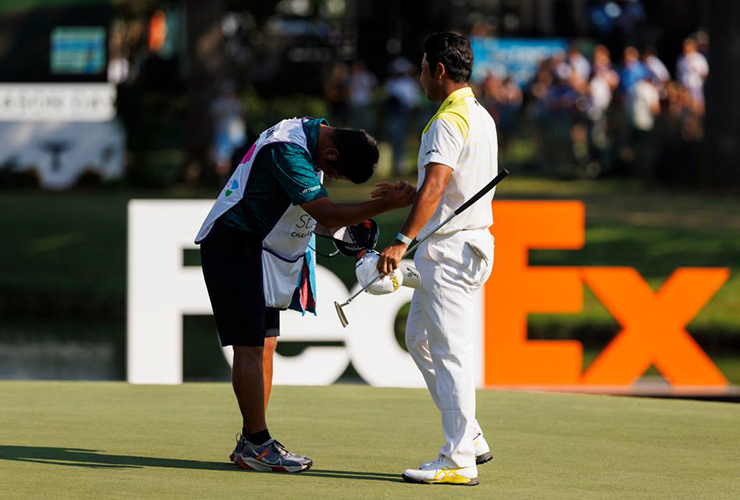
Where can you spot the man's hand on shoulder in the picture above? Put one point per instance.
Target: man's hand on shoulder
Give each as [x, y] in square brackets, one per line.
[397, 195]
[387, 197]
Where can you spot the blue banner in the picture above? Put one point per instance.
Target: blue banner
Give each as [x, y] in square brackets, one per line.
[514, 57]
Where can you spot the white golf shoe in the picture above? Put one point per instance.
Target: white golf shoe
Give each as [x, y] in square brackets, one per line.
[442, 471]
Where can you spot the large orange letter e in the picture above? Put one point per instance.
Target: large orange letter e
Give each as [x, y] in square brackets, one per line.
[515, 289]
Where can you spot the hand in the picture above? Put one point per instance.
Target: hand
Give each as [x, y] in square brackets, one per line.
[390, 257]
[398, 195]
[381, 188]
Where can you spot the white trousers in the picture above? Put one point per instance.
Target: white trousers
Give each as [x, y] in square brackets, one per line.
[439, 331]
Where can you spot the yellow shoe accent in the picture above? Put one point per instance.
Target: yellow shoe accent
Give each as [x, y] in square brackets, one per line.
[450, 476]
[442, 471]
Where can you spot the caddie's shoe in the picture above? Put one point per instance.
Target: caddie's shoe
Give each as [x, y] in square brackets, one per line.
[240, 442]
[442, 471]
[271, 457]
[482, 451]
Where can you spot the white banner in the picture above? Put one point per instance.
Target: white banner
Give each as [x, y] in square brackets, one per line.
[82, 102]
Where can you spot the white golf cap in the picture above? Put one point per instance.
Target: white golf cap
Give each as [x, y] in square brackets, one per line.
[366, 271]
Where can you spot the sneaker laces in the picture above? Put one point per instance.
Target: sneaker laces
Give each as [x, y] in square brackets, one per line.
[280, 448]
[435, 463]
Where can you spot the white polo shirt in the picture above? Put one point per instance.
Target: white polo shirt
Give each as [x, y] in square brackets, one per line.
[461, 135]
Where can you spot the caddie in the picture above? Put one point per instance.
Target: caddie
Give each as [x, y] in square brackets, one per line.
[257, 258]
[458, 156]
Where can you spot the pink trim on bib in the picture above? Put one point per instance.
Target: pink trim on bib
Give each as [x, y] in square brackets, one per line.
[249, 154]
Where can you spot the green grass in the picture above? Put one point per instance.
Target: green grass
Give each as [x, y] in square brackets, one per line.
[112, 440]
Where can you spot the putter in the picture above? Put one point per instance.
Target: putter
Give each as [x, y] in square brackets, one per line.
[477, 196]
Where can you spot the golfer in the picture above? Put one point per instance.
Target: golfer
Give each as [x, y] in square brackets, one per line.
[458, 156]
[257, 261]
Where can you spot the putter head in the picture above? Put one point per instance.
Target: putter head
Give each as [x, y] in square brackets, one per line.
[340, 313]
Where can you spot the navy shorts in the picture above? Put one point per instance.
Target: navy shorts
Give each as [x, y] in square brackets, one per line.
[232, 267]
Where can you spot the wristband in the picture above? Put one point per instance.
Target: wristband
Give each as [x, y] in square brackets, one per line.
[404, 239]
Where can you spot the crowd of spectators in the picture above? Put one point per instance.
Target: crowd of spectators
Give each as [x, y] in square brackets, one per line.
[596, 116]
[586, 116]
[587, 111]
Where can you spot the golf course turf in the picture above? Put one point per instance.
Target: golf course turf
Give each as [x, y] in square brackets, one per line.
[114, 440]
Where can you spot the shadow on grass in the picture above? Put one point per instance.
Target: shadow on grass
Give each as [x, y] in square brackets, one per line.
[94, 459]
[347, 474]
[76, 457]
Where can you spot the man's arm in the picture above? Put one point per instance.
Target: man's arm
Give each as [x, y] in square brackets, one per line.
[294, 170]
[330, 214]
[427, 200]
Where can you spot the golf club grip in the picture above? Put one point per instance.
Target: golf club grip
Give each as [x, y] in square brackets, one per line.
[480, 194]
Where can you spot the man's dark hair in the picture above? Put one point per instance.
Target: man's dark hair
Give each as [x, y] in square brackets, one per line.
[452, 50]
[358, 154]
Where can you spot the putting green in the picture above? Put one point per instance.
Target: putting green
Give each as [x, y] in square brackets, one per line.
[113, 440]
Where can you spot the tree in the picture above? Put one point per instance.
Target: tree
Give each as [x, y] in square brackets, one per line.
[722, 90]
[205, 75]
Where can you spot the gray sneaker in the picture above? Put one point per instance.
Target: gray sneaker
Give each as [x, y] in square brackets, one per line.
[270, 457]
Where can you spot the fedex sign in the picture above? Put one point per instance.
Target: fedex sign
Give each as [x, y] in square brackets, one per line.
[161, 290]
[653, 323]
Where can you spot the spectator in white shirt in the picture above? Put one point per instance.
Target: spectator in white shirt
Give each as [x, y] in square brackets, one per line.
[361, 84]
[692, 69]
[578, 63]
[655, 66]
